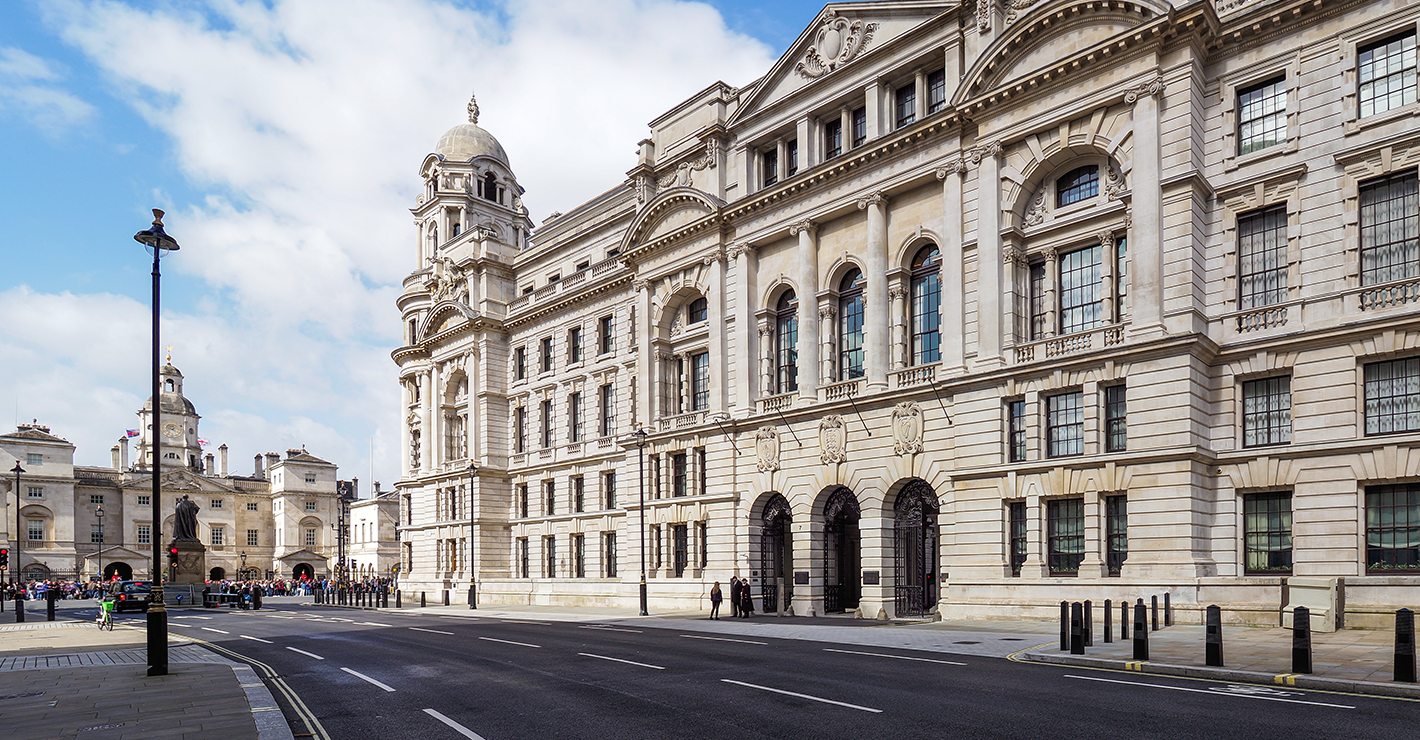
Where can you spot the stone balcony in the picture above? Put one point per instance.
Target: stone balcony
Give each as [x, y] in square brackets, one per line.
[1069, 344]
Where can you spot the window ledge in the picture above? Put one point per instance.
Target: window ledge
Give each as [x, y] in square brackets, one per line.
[1357, 125]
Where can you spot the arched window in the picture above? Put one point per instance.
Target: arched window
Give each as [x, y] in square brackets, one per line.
[699, 311]
[1078, 184]
[786, 343]
[490, 187]
[168, 386]
[926, 306]
[850, 326]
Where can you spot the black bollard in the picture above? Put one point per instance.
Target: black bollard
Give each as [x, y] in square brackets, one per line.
[1168, 611]
[1064, 625]
[49, 605]
[1405, 645]
[256, 599]
[473, 597]
[19, 609]
[1077, 629]
[1214, 638]
[446, 597]
[1154, 603]
[1301, 640]
[1124, 620]
[1089, 623]
[398, 601]
[1108, 615]
[1141, 632]
[421, 599]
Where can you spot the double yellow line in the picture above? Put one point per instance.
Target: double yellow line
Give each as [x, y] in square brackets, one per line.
[313, 725]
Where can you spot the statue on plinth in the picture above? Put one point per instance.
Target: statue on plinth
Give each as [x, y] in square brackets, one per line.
[185, 521]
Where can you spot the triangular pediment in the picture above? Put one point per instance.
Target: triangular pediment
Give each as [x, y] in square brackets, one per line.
[185, 481]
[840, 36]
[670, 212]
[302, 554]
[118, 552]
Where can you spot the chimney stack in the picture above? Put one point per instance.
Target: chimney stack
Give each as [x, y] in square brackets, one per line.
[222, 461]
[209, 466]
[123, 453]
[258, 472]
[113, 454]
[271, 459]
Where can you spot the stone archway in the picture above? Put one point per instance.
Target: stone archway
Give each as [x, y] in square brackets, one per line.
[842, 552]
[120, 570]
[915, 540]
[303, 570]
[776, 555]
[217, 574]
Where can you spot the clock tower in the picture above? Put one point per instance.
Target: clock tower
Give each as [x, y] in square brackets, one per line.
[177, 439]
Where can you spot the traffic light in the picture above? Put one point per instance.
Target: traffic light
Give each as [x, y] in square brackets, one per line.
[172, 558]
[4, 557]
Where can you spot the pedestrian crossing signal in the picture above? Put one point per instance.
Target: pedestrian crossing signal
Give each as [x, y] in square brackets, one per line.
[4, 557]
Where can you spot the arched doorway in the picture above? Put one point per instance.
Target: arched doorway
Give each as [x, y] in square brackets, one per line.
[304, 570]
[217, 574]
[776, 559]
[121, 571]
[842, 552]
[915, 549]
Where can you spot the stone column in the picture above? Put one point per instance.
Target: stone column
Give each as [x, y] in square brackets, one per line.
[1015, 271]
[808, 298]
[426, 421]
[988, 255]
[781, 160]
[1036, 565]
[646, 372]
[1052, 292]
[719, 349]
[1145, 236]
[875, 298]
[766, 360]
[1107, 266]
[953, 282]
[900, 350]
[745, 287]
[874, 104]
[826, 315]
[808, 152]
[845, 118]
[1093, 565]
[920, 85]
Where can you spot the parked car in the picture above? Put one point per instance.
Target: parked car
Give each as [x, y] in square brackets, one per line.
[130, 595]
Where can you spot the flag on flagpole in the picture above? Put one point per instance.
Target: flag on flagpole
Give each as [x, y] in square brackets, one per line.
[202, 442]
[132, 432]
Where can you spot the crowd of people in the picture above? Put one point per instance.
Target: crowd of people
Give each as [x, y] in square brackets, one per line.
[741, 599]
[37, 590]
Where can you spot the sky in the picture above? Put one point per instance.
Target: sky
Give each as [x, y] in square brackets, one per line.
[283, 138]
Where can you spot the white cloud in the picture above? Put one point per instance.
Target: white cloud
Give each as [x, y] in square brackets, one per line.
[25, 87]
[306, 120]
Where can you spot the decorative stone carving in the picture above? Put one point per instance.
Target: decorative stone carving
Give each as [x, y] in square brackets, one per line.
[804, 225]
[641, 284]
[766, 448]
[983, 15]
[680, 176]
[676, 325]
[1015, 9]
[907, 428]
[827, 312]
[1013, 256]
[765, 332]
[956, 166]
[836, 43]
[1037, 211]
[1113, 183]
[715, 255]
[1151, 88]
[982, 150]
[832, 439]
[897, 293]
[1051, 254]
[1106, 237]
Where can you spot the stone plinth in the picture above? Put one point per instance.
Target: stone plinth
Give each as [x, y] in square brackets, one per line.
[191, 562]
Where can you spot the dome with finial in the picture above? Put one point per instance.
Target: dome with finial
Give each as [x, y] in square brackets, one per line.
[468, 140]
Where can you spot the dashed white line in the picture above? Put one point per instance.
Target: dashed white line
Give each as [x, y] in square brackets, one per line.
[453, 616]
[899, 657]
[607, 629]
[628, 662]
[302, 652]
[523, 621]
[209, 629]
[510, 642]
[1213, 693]
[362, 676]
[374, 624]
[460, 729]
[803, 696]
[258, 639]
[725, 639]
[437, 632]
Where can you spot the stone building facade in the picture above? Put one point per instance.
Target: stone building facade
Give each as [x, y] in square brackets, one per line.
[279, 516]
[960, 309]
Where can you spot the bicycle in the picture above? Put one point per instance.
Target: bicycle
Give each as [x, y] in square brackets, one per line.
[105, 619]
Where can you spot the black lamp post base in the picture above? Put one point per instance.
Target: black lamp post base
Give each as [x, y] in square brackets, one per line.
[644, 613]
[157, 640]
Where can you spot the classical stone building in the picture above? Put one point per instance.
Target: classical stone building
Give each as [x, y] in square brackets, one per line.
[373, 548]
[961, 308]
[280, 516]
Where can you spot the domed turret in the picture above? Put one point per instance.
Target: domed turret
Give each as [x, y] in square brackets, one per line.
[468, 140]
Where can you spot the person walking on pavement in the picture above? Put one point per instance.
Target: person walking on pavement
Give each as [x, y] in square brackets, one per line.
[746, 599]
[715, 598]
[734, 596]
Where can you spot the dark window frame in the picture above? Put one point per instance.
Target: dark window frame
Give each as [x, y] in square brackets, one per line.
[832, 138]
[1116, 418]
[606, 341]
[1271, 543]
[905, 105]
[680, 480]
[859, 118]
[1077, 185]
[697, 311]
[1393, 529]
[786, 343]
[1390, 208]
[1081, 308]
[769, 166]
[1267, 411]
[1018, 533]
[1116, 533]
[936, 91]
[1065, 535]
[926, 296]
[574, 345]
[1065, 424]
[850, 325]
[680, 543]
[1391, 391]
[1262, 122]
[1262, 257]
[1016, 439]
[700, 381]
[1367, 61]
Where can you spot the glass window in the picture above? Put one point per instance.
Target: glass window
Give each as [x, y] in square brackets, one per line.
[770, 161]
[251, 506]
[549, 557]
[34, 458]
[1267, 533]
[148, 501]
[1121, 278]
[1387, 74]
[1262, 257]
[1262, 115]
[1066, 520]
[252, 538]
[607, 402]
[656, 552]
[926, 306]
[604, 335]
[700, 381]
[145, 534]
[547, 354]
[678, 477]
[96, 534]
[1016, 430]
[609, 488]
[860, 127]
[786, 343]
[1065, 424]
[1116, 532]
[523, 500]
[850, 326]
[1393, 396]
[218, 536]
[1037, 301]
[579, 502]
[310, 506]
[699, 311]
[546, 423]
[1116, 430]
[936, 91]
[702, 536]
[681, 534]
[549, 497]
[833, 138]
[520, 429]
[310, 537]
[97, 499]
[702, 470]
[1393, 528]
[34, 491]
[1390, 228]
[1018, 536]
[609, 553]
[34, 529]
[1080, 290]
[520, 363]
[574, 417]
[1081, 183]
[579, 556]
[1267, 411]
[906, 98]
[791, 153]
[522, 556]
[574, 344]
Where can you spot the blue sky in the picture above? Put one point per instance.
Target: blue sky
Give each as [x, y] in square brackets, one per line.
[283, 138]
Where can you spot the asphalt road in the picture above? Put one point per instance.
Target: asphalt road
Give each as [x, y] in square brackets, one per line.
[378, 675]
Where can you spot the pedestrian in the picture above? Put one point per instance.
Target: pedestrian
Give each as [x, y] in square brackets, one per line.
[734, 596]
[715, 598]
[746, 599]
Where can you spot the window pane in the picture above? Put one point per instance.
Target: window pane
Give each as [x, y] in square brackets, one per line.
[1267, 411]
[1262, 115]
[1267, 533]
[1018, 536]
[1081, 183]
[787, 344]
[850, 327]
[1392, 396]
[1387, 74]
[1065, 424]
[926, 307]
[1116, 434]
[1066, 535]
[1390, 229]
[1016, 430]
[1080, 290]
[1116, 532]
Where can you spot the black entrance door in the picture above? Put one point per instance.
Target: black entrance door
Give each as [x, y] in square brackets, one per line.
[775, 558]
[915, 550]
[842, 553]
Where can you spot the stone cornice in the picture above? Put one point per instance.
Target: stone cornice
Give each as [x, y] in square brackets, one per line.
[566, 300]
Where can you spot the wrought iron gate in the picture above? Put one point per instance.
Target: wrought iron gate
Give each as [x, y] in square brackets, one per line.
[915, 550]
[840, 546]
[773, 535]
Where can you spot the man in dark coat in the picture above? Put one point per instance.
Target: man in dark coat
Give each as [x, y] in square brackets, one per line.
[734, 597]
[747, 599]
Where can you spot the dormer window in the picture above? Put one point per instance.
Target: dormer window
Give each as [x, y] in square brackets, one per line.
[1081, 183]
[698, 311]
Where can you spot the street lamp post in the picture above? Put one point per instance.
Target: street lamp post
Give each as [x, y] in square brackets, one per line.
[99, 512]
[640, 435]
[19, 572]
[472, 576]
[243, 575]
[159, 244]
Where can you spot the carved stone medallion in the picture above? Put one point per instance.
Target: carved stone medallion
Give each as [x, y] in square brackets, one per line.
[837, 42]
[907, 428]
[766, 447]
[832, 439]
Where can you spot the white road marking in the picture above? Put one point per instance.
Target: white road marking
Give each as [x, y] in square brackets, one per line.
[360, 675]
[437, 632]
[523, 621]
[725, 639]
[452, 616]
[302, 652]
[1213, 693]
[209, 629]
[374, 624]
[803, 696]
[194, 616]
[258, 639]
[629, 662]
[899, 657]
[510, 642]
[460, 729]
[607, 629]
